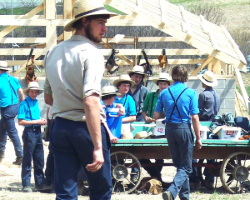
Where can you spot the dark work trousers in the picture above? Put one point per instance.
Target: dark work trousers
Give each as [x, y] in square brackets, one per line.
[7, 127]
[72, 147]
[32, 149]
[193, 178]
[49, 171]
[181, 145]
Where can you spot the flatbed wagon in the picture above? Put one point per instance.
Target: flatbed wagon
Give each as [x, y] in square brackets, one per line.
[230, 161]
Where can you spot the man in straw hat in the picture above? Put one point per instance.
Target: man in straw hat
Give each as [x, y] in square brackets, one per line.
[138, 91]
[209, 106]
[29, 117]
[10, 93]
[179, 103]
[74, 69]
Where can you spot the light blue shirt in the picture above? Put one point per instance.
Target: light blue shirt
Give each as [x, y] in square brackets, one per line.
[8, 90]
[128, 103]
[24, 113]
[187, 103]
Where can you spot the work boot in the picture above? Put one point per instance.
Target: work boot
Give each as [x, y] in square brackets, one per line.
[167, 195]
[27, 189]
[18, 161]
[43, 188]
[80, 187]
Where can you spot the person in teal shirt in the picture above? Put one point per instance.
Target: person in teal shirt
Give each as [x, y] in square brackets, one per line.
[29, 117]
[10, 93]
[163, 82]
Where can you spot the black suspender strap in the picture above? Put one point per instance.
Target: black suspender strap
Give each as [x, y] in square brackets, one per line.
[152, 104]
[215, 104]
[175, 104]
[11, 89]
[29, 110]
[125, 100]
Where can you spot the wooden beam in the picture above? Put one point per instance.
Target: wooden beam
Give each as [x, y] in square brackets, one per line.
[8, 29]
[22, 40]
[51, 35]
[123, 62]
[67, 14]
[163, 12]
[195, 72]
[242, 86]
[107, 52]
[216, 66]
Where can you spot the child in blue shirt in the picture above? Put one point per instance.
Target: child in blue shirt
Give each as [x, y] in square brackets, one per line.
[29, 116]
[108, 97]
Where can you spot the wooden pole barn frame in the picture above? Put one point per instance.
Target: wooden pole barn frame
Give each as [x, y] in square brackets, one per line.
[223, 54]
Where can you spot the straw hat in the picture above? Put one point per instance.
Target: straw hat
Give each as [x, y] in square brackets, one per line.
[109, 90]
[4, 66]
[137, 69]
[208, 78]
[123, 77]
[84, 8]
[142, 135]
[162, 77]
[33, 86]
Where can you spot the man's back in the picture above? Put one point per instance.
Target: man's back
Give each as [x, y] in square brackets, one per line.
[71, 71]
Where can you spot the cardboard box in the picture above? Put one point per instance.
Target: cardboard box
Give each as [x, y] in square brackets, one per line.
[229, 133]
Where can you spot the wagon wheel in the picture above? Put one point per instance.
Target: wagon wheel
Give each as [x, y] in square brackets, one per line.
[122, 163]
[210, 171]
[234, 172]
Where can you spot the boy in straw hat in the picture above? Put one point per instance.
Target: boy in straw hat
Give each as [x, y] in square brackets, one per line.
[123, 84]
[29, 117]
[10, 93]
[138, 91]
[74, 69]
[163, 82]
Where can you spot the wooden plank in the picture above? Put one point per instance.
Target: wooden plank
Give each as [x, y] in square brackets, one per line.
[235, 46]
[216, 66]
[22, 40]
[67, 14]
[51, 35]
[33, 22]
[242, 87]
[240, 97]
[33, 12]
[107, 52]
[130, 40]
[20, 62]
[163, 12]
[195, 72]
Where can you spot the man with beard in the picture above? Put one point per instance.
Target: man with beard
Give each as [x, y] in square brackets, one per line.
[74, 69]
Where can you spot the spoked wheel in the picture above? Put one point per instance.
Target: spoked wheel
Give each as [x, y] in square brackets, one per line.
[210, 170]
[234, 172]
[124, 180]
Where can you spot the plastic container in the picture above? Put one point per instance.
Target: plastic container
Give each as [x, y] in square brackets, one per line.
[114, 121]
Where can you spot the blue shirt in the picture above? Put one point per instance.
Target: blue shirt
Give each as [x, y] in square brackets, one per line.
[187, 103]
[8, 90]
[24, 113]
[128, 103]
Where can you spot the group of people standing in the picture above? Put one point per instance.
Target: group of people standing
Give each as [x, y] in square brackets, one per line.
[79, 137]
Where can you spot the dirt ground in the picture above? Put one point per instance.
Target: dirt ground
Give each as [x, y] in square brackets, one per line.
[11, 188]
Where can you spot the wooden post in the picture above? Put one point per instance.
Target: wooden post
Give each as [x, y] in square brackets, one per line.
[216, 66]
[50, 14]
[242, 87]
[67, 14]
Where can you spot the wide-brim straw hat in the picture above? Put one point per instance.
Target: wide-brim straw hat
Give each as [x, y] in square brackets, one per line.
[84, 8]
[137, 69]
[208, 78]
[4, 66]
[123, 77]
[109, 90]
[163, 77]
[33, 86]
